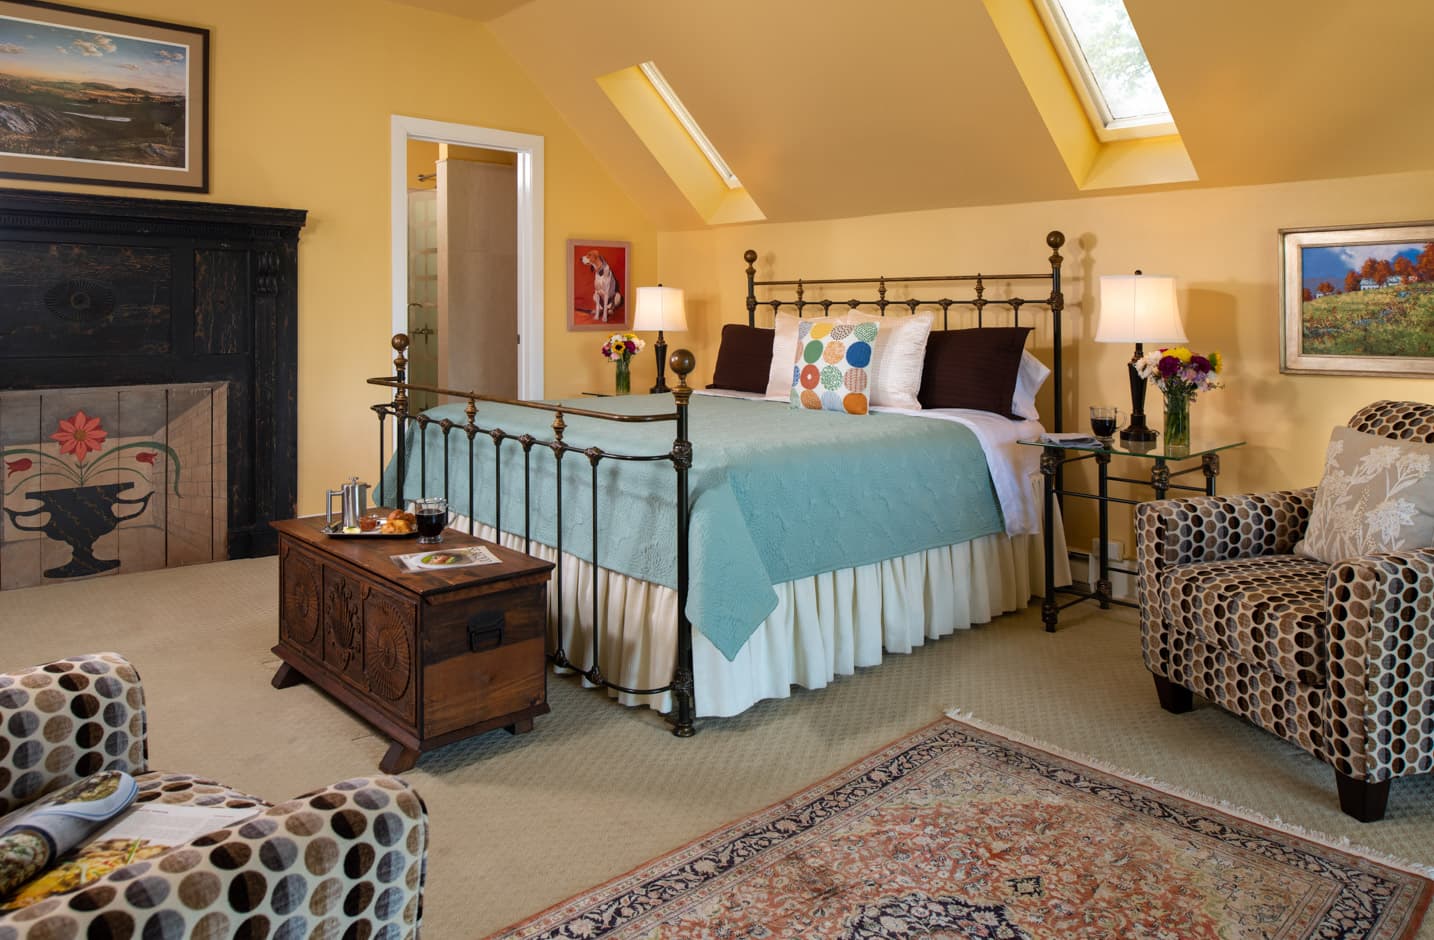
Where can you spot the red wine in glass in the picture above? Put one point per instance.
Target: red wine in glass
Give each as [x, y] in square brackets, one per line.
[432, 518]
[1103, 421]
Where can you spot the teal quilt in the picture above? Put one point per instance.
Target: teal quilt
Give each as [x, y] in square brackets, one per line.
[776, 494]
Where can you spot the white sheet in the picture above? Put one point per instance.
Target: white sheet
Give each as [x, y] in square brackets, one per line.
[1015, 469]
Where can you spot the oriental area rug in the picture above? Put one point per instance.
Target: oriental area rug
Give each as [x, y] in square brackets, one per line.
[958, 831]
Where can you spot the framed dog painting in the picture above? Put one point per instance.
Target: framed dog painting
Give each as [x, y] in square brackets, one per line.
[597, 284]
[93, 97]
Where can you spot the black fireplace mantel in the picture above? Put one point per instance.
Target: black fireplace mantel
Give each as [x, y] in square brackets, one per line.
[110, 290]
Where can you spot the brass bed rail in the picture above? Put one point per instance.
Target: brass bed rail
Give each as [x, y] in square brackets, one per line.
[1054, 301]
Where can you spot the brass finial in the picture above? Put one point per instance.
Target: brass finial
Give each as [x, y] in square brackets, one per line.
[400, 346]
[682, 362]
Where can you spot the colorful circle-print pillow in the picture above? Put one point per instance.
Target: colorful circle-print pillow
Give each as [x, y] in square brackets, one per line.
[833, 370]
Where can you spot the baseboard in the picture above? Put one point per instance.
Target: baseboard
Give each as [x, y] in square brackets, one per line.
[1083, 566]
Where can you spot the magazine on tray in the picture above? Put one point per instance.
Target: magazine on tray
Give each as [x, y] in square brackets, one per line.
[445, 558]
[88, 830]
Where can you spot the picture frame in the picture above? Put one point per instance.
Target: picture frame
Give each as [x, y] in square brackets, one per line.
[597, 269]
[1358, 300]
[112, 100]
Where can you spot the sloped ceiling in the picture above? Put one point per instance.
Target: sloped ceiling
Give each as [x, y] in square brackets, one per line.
[848, 108]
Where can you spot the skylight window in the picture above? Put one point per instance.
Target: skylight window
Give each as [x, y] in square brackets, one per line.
[1107, 64]
[689, 124]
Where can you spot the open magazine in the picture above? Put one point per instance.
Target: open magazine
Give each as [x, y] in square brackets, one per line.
[34, 836]
[441, 559]
[90, 829]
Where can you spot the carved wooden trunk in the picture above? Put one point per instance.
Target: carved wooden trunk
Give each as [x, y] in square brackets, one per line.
[428, 658]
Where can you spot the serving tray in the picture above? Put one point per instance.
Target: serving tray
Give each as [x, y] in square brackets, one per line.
[337, 532]
[336, 529]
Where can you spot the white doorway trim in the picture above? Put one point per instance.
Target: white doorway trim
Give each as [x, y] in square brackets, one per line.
[529, 151]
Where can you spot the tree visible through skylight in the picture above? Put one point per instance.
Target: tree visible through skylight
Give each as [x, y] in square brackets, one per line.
[1101, 35]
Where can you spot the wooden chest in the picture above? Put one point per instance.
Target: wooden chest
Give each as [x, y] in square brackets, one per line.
[428, 657]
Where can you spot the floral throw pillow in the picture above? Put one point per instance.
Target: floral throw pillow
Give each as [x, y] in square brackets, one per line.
[1377, 495]
[834, 367]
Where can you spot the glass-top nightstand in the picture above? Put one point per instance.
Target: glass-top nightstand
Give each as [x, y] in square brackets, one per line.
[1056, 455]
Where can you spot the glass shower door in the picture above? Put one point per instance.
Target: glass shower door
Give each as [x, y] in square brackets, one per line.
[423, 294]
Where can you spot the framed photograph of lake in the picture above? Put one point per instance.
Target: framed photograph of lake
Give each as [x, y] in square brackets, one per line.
[1358, 301]
[88, 97]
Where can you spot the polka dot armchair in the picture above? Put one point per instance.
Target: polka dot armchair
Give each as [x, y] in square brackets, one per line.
[1338, 659]
[344, 861]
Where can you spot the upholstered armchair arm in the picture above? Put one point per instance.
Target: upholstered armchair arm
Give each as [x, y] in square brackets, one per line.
[1222, 528]
[1171, 532]
[346, 861]
[62, 721]
[1381, 665]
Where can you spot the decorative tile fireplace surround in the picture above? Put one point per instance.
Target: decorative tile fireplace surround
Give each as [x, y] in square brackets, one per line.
[148, 411]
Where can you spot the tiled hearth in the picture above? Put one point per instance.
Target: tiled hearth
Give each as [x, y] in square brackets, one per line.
[112, 480]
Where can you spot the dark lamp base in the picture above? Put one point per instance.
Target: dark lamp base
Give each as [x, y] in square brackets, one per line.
[661, 348]
[1141, 433]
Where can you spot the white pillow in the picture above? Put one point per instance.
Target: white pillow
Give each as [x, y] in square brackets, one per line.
[784, 353]
[1029, 380]
[898, 356]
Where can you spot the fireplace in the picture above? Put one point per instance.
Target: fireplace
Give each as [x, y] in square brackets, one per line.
[175, 324]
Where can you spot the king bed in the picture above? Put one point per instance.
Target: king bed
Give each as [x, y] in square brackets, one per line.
[789, 523]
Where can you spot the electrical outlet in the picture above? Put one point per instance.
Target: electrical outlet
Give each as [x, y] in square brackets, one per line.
[1115, 550]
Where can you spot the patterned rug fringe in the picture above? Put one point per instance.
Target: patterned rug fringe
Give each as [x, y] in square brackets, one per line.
[1341, 843]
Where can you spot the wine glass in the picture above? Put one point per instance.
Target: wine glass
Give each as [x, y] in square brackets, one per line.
[1104, 419]
[432, 516]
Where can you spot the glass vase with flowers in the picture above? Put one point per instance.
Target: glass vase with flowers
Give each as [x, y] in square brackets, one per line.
[1180, 375]
[620, 348]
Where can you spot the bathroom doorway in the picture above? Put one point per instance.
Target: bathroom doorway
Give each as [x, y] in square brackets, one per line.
[467, 257]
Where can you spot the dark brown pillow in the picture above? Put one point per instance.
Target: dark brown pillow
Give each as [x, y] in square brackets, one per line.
[744, 358]
[973, 368]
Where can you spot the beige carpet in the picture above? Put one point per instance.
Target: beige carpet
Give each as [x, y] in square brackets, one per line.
[522, 822]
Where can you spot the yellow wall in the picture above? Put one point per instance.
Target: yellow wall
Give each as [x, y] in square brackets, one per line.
[422, 161]
[1221, 243]
[320, 79]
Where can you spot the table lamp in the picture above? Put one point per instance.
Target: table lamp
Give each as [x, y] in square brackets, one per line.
[1138, 308]
[660, 308]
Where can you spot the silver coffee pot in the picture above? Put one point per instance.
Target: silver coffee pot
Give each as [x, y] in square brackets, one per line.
[353, 501]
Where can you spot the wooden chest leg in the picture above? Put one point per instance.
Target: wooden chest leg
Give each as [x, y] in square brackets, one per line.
[286, 676]
[398, 759]
[521, 726]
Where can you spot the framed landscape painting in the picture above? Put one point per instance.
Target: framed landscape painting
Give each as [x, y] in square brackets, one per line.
[89, 97]
[597, 285]
[1359, 301]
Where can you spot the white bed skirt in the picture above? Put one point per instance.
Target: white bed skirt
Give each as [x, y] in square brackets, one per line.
[824, 626]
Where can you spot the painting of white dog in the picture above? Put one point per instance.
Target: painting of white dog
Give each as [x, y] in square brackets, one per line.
[597, 284]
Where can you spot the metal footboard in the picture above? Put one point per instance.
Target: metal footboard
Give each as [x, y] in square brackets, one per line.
[471, 434]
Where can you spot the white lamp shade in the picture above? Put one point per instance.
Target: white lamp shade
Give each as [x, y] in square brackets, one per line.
[660, 308]
[1138, 308]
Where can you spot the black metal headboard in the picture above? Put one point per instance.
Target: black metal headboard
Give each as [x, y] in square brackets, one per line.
[976, 302]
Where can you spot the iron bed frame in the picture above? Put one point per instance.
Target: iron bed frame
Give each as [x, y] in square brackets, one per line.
[406, 424]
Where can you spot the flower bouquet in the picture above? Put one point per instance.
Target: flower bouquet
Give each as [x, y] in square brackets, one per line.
[620, 348]
[1180, 375]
